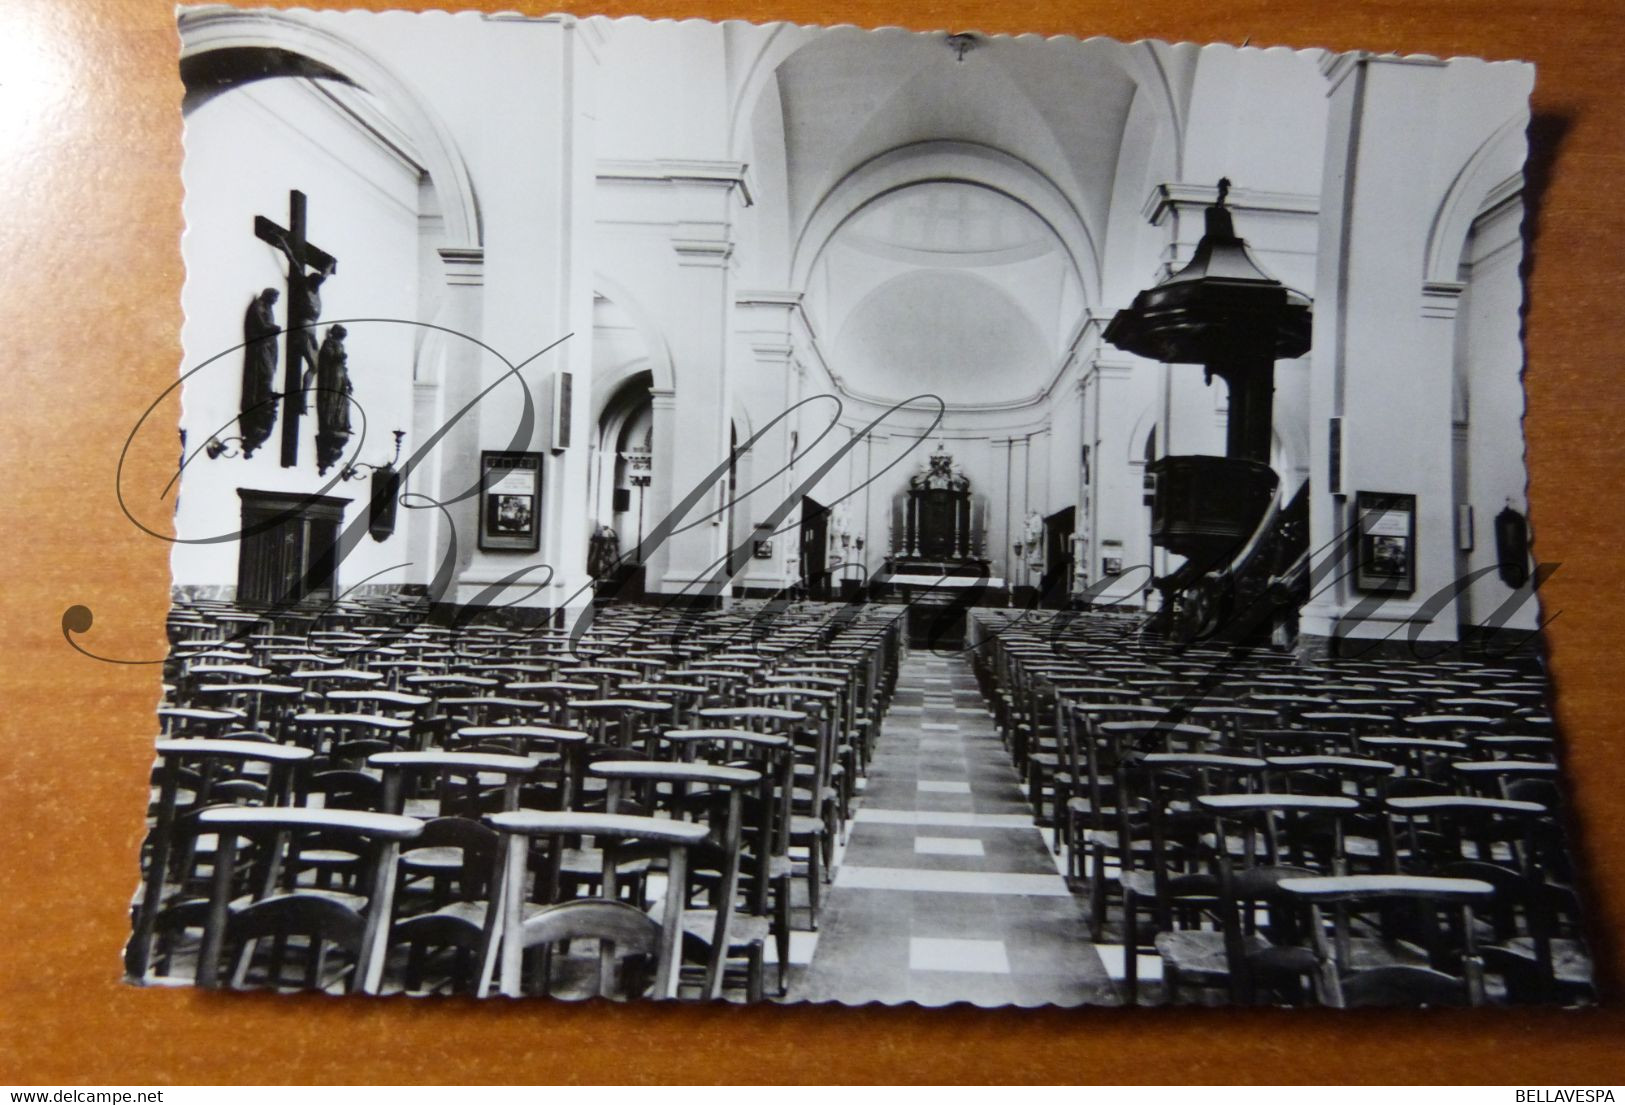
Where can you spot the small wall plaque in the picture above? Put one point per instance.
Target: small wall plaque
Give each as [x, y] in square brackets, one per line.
[561, 411]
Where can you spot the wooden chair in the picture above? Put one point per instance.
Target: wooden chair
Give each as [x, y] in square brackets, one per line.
[560, 755]
[1515, 746]
[1091, 753]
[556, 693]
[1430, 831]
[430, 939]
[509, 933]
[824, 787]
[379, 700]
[1233, 722]
[619, 724]
[316, 926]
[184, 721]
[262, 705]
[604, 678]
[1161, 866]
[1423, 758]
[317, 681]
[1493, 778]
[461, 779]
[694, 788]
[282, 784]
[337, 738]
[1259, 840]
[1537, 948]
[1355, 725]
[1341, 983]
[629, 942]
[766, 866]
[456, 855]
[810, 828]
[685, 698]
[275, 830]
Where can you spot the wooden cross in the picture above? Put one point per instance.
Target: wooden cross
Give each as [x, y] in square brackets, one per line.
[303, 311]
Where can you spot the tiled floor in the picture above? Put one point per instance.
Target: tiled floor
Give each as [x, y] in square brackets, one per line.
[946, 890]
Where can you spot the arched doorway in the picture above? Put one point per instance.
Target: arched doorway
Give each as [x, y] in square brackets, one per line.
[624, 473]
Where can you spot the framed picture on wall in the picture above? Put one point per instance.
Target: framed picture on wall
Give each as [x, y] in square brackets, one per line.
[510, 501]
[1385, 542]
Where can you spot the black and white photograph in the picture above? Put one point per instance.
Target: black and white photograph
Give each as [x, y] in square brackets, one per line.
[512, 513]
[716, 511]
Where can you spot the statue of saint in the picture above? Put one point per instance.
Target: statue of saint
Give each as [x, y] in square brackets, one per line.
[603, 552]
[257, 414]
[332, 386]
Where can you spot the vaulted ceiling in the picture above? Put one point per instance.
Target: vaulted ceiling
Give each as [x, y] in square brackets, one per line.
[1059, 106]
[951, 274]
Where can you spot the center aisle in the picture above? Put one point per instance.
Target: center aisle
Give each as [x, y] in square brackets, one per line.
[947, 891]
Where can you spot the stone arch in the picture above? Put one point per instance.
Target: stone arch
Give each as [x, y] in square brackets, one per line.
[957, 162]
[658, 351]
[1497, 160]
[620, 409]
[1144, 426]
[217, 42]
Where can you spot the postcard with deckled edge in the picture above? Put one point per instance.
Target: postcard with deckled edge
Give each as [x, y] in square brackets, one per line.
[765, 513]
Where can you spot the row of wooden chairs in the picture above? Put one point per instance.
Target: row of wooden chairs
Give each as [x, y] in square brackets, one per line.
[1340, 832]
[451, 795]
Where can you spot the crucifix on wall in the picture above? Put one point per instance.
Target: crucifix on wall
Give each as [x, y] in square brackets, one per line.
[304, 310]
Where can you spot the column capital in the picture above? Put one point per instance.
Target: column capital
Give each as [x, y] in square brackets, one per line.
[463, 266]
[772, 352]
[702, 245]
[1107, 369]
[1441, 298]
[769, 298]
[726, 175]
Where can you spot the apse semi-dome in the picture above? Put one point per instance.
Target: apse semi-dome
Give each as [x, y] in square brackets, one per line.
[950, 332]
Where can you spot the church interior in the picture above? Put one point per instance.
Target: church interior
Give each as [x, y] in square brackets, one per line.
[696, 510]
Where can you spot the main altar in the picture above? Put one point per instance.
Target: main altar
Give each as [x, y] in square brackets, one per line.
[937, 563]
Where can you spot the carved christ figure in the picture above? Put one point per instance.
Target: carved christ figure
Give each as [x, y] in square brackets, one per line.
[257, 415]
[304, 306]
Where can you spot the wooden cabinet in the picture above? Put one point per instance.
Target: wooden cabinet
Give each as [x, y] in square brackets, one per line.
[288, 554]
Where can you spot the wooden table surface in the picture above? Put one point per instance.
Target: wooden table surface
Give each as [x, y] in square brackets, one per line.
[90, 146]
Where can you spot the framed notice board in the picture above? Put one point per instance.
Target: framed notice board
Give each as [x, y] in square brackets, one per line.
[1385, 542]
[510, 501]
